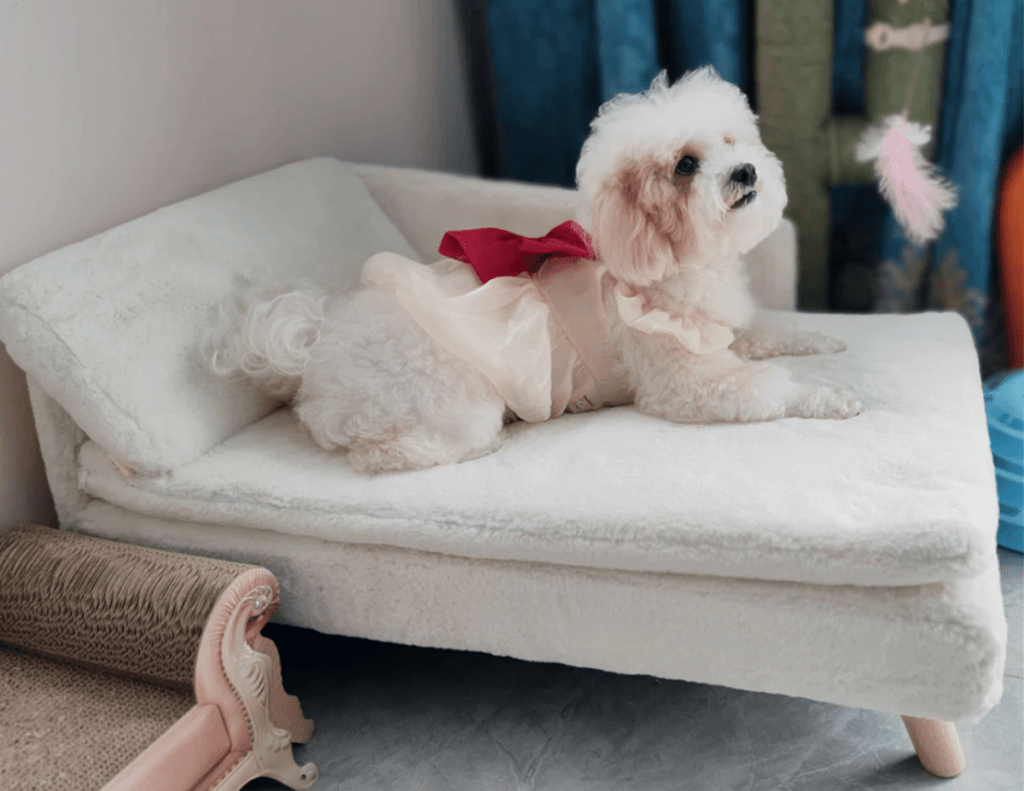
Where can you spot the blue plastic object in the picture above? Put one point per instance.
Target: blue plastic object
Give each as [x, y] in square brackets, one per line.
[1004, 405]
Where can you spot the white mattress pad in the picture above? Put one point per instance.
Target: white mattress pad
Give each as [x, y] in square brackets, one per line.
[902, 494]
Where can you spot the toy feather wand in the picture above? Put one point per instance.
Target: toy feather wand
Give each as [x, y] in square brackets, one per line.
[912, 185]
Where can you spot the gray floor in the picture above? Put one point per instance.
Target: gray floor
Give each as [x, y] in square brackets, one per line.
[392, 717]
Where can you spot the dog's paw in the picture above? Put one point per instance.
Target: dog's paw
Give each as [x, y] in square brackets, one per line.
[814, 343]
[763, 342]
[828, 403]
[847, 405]
[823, 344]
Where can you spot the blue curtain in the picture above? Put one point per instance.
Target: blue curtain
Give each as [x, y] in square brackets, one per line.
[554, 61]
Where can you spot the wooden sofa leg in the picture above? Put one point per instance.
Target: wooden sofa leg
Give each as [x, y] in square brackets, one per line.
[937, 745]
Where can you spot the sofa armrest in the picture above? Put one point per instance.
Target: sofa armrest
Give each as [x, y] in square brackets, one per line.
[59, 440]
[238, 671]
[244, 723]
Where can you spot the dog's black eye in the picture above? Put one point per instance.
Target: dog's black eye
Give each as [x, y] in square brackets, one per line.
[687, 165]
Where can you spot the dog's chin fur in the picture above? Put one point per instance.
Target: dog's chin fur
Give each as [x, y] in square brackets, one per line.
[364, 377]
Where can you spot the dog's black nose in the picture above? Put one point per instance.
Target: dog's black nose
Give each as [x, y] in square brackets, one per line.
[745, 175]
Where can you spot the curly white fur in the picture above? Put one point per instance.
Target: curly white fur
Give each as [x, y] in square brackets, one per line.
[365, 377]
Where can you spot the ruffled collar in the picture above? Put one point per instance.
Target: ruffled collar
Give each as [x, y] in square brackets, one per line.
[695, 330]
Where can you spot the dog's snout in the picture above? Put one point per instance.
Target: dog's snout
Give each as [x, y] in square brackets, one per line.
[745, 175]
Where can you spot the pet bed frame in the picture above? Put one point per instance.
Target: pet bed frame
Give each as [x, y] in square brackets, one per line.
[138, 670]
[852, 562]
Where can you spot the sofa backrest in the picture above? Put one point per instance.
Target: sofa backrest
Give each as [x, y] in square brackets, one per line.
[110, 327]
[424, 204]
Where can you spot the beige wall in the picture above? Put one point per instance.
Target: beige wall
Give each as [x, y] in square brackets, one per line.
[112, 108]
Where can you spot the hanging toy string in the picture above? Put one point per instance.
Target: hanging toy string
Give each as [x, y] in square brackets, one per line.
[912, 185]
[925, 30]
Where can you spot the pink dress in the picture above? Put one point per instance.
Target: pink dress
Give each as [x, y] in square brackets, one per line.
[542, 340]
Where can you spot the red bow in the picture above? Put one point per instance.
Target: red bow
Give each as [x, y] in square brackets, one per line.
[493, 252]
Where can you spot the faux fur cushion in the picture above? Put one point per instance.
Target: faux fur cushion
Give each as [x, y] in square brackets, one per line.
[109, 326]
[902, 494]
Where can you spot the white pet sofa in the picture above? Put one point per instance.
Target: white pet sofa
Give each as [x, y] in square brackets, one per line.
[849, 561]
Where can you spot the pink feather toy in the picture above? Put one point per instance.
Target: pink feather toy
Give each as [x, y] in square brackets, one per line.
[911, 184]
[919, 196]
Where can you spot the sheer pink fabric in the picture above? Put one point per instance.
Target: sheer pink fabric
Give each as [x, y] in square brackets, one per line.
[525, 334]
[543, 341]
[696, 331]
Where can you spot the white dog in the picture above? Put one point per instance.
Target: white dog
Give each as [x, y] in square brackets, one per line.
[425, 365]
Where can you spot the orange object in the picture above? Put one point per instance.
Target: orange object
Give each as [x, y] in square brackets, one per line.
[1011, 256]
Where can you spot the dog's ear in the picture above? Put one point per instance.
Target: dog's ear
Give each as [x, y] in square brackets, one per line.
[639, 223]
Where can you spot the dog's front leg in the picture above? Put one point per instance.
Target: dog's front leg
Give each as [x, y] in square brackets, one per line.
[769, 337]
[721, 388]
